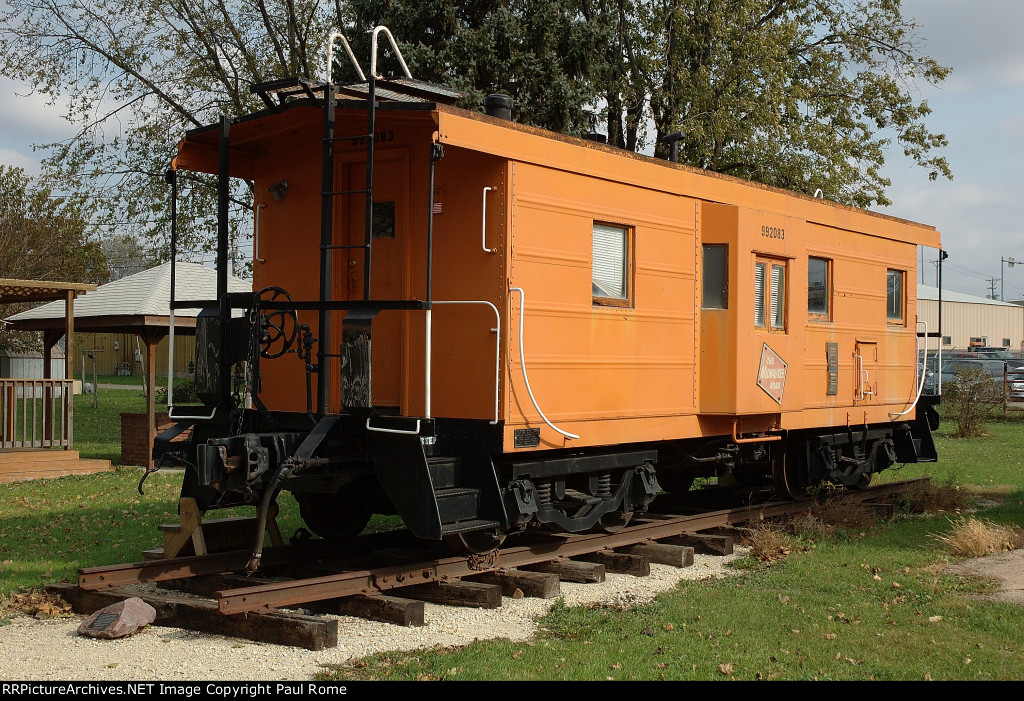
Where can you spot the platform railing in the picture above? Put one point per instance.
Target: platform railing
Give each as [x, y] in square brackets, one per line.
[35, 413]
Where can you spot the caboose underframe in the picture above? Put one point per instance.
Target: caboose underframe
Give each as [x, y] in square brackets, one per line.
[351, 394]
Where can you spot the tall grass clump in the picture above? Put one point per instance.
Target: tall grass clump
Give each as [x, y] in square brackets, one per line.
[972, 537]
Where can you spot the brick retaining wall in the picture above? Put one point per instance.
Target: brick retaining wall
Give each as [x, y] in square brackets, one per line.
[135, 447]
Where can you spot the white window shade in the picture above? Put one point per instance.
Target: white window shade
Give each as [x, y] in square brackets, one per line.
[610, 262]
[759, 280]
[778, 296]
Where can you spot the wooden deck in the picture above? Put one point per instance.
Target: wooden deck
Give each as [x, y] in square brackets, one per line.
[18, 465]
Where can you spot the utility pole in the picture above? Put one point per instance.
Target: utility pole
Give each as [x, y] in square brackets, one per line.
[991, 286]
[1002, 291]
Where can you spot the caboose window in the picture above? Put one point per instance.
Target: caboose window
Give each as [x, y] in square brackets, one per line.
[818, 289]
[894, 296]
[770, 295]
[610, 278]
[715, 276]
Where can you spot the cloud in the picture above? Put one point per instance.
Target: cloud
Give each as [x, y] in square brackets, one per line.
[979, 40]
[29, 119]
[30, 163]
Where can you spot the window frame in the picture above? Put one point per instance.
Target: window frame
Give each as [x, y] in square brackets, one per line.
[769, 310]
[825, 316]
[629, 257]
[902, 319]
[704, 276]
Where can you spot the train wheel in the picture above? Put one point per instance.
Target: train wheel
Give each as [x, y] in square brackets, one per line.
[614, 522]
[785, 475]
[336, 517]
[475, 542]
[674, 481]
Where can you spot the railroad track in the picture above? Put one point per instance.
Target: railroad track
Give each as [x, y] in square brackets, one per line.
[388, 576]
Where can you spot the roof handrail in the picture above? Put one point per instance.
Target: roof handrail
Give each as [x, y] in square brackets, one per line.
[348, 49]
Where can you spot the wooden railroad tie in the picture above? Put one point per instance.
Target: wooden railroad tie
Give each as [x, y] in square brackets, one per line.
[457, 592]
[278, 628]
[572, 570]
[704, 544]
[540, 585]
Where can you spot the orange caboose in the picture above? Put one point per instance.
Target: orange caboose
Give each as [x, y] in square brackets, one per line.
[482, 325]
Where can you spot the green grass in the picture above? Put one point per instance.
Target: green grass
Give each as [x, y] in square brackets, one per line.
[98, 429]
[855, 606]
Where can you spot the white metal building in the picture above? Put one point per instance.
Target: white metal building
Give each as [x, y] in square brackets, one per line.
[970, 320]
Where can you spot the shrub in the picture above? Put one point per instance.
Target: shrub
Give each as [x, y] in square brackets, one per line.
[970, 400]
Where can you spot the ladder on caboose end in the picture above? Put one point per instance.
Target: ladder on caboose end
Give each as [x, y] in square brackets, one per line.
[368, 92]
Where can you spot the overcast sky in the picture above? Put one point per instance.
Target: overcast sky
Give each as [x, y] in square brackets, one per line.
[980, 108]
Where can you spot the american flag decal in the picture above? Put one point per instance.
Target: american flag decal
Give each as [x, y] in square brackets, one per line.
[438, 201]
[437, 207]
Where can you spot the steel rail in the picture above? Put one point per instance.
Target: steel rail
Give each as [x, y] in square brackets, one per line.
[265, 598]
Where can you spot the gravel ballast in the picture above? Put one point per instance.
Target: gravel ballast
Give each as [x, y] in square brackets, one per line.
[45, 650]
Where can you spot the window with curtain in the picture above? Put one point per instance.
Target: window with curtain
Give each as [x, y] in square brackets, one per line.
[770, 294]
[612, 267]
[894, 297]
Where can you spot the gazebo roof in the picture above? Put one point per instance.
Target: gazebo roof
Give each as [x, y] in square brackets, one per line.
[134, 302]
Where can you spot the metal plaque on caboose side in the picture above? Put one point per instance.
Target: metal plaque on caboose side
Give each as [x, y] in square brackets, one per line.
[771, 375]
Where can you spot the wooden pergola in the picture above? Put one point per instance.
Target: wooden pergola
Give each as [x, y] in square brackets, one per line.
[137, 304]
[21, 291]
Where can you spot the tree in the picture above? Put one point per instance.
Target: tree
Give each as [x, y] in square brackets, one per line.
[125, 256]
[42, 237]
[544, 53]
[137, 76]
[802, 94]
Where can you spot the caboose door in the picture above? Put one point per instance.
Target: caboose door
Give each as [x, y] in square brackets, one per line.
[388, 249]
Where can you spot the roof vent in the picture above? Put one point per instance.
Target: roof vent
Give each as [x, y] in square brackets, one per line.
[594, 136]
[498, 105]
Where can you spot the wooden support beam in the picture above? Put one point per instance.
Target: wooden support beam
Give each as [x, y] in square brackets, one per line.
[663, 554]
[572, 570]
[151, 338]
[389, 609]
[542, 585]
[456, 593]
[277, 628]
[213, 535]
[621, 563]
[702, 543]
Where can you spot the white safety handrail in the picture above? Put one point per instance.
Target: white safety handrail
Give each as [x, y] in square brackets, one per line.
[497, 345]
[923, 371]
[483, 224]
[348, 49]
[522, 363]
[404, 432]
[373, 51]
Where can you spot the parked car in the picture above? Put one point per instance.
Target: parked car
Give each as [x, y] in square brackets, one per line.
[996, 369]
[998, 353]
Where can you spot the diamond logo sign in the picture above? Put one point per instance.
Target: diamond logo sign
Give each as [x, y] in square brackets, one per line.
[771, 375]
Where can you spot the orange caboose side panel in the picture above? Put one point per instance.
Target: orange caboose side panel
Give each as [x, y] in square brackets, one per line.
[658, 365]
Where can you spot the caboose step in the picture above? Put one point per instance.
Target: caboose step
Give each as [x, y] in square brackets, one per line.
[457, 503]
[477, 524]
[444, 472]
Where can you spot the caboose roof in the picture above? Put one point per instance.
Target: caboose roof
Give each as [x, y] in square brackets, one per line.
[254, 133]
